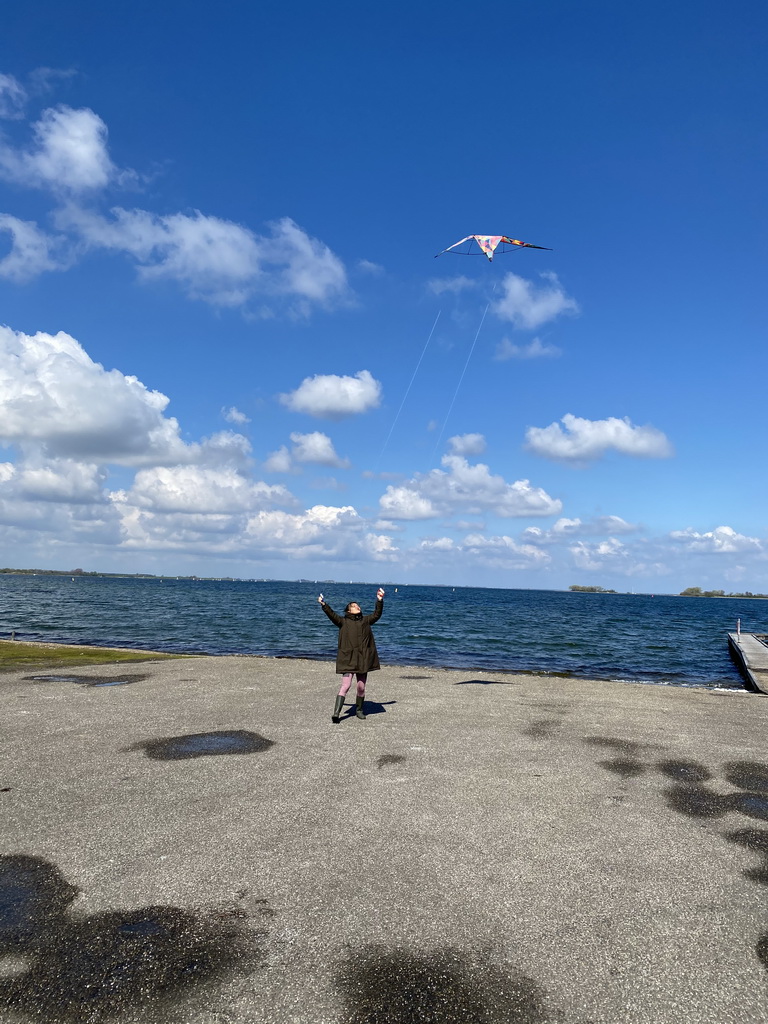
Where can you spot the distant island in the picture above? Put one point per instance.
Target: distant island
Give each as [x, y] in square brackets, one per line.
[698, 592]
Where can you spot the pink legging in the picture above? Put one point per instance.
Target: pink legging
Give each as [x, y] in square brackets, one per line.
[346, 682]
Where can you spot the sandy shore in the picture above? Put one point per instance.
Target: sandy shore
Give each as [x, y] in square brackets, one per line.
[194, 841]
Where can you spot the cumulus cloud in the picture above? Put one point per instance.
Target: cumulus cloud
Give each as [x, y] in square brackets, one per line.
[55, 396]
[437, 544]
[332, 397]
[316, 448]
[406, 503]
[202, 490]
[607, 554]
[233, 415]
[583, 439]
[467, 444]
[13, 98]
[535, 349]
[528, 306]
[569, 528]
[69, 153]
[721, 540]
[212, 259]
[32, 251]
[279, 461]
[54, 480]
[466, 489]
[504, 552]
[217, 260]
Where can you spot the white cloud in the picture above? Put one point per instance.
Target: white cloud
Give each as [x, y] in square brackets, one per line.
[306, 266]
[527, 306]
[13, 98]
[467, 444]
[69, 153]
[535, 349]
[332, 397]
[503, 552]
[721, 540]
[233, 415]
[32, 251]
[279, 461]
[440, 285]
[202, 490]
[590, 439]
[367, 267]
[55, 480]
[56, 397]
[569, 528]
[217, 260]
[438, 544]
[317, 448]
[608, 554]
[406, 503]
[466, 489]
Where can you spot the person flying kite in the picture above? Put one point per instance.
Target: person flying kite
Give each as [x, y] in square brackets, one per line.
[489, 244]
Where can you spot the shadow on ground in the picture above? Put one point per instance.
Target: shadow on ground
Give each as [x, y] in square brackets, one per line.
[690, 795]
[397, 985]
[58, 967]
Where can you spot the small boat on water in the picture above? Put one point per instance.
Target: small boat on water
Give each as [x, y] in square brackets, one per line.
[750, 652]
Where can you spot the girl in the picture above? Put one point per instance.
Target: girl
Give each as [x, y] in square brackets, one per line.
[357, 654]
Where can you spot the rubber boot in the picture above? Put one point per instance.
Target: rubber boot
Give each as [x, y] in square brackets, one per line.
[337, 708]
[359, 707]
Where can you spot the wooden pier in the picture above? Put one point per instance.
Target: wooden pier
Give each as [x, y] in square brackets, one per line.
[750, 652]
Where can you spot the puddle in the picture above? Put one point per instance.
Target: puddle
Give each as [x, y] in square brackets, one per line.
[103, 967]
[204, 744]
[92, 682]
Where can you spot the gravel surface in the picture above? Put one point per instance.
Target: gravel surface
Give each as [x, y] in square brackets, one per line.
[195, 841]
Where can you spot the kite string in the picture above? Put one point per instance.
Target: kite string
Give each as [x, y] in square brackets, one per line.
[410, 385]
[461, 378]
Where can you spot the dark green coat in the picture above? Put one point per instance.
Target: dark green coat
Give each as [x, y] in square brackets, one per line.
[357, 648]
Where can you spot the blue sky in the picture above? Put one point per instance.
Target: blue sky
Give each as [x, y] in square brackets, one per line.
[227, 348]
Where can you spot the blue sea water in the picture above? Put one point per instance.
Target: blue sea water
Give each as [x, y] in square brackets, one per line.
[635, 637]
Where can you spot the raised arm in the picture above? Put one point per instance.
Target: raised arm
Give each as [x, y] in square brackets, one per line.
[335, 619]
[379, 607]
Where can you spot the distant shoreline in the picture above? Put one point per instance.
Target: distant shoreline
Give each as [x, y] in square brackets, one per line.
[597, 591]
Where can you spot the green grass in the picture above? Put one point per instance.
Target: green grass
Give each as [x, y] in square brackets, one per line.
[15, 655]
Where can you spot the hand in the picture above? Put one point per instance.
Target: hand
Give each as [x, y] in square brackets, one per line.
[321, 599]
[380, 594]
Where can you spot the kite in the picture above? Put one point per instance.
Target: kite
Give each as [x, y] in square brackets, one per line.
[489, 244]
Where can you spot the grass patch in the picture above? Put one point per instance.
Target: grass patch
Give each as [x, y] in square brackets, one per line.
[15, 655]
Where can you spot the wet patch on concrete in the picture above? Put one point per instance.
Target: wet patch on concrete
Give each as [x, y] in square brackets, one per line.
[415, 677]
[687, 771]
[90, 681]
[204, 744]
[94, 969]
[385, 759]
[757, 840]
[761, 949]
[748, 775]
[397, 985]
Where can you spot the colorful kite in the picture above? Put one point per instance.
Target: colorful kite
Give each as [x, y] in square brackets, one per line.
[489, 244]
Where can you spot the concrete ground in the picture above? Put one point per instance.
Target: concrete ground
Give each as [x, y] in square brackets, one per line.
[194, 842]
